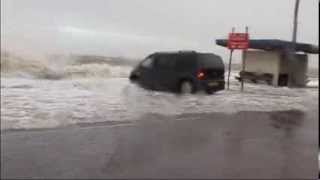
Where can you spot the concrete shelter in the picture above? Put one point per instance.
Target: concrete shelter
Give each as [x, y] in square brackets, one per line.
[270, 60]
[276, 68]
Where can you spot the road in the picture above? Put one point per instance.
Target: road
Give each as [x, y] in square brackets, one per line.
[281, 144]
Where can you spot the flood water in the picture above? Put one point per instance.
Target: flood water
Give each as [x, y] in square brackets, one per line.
[42, 103]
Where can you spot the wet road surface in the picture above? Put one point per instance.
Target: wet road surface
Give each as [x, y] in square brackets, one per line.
[282, 144]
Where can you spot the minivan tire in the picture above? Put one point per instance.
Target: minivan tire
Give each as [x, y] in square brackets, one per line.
[186, 87]
[210, 92]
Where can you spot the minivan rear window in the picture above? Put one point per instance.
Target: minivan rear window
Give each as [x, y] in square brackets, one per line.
[210, 61]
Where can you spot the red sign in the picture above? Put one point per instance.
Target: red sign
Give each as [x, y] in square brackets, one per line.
[238, 41]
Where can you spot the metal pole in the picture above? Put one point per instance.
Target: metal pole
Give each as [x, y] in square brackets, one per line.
[295, 22]
[244, 57]
[291, 52]
[230, 60]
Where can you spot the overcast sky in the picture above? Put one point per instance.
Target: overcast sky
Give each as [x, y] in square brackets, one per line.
[135, 28]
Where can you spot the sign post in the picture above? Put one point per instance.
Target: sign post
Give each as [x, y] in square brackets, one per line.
[237, 41]
[229, 72]
[230, 60]
[244, 57]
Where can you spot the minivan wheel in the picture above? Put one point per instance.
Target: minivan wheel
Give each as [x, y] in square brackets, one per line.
[210, 92]
[133, 78]
[186, 87]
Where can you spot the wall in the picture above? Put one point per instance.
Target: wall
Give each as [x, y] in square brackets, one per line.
[284, 65]
[264, 62]
[299, 69]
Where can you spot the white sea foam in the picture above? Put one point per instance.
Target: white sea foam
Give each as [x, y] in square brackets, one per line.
[99, 91]
[12, 66]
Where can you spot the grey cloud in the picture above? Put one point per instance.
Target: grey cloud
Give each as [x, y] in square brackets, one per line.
[136, 27]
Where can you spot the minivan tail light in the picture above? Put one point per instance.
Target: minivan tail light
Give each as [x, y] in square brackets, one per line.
[201, 74]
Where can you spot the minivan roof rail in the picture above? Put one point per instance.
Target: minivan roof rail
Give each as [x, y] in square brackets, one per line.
[187, 51]
[174, 52]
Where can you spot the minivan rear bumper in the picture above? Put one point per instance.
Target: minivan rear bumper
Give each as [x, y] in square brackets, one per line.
[212, 85]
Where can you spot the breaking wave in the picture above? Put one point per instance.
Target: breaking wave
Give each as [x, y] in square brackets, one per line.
[66, 68]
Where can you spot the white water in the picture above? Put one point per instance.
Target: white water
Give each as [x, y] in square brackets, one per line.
[89, 93]
[57, 69]
[29, 103]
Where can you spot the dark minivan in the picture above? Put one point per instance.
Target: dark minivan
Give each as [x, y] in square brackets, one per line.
[182, 72]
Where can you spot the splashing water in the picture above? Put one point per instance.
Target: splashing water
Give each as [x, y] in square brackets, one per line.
[99, 91]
